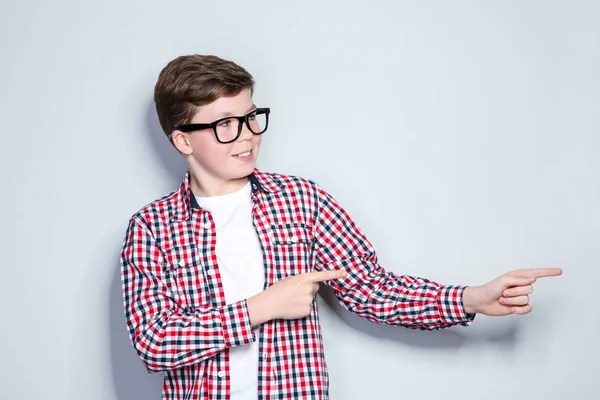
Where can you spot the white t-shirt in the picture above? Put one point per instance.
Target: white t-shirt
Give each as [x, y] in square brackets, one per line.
[240, 261]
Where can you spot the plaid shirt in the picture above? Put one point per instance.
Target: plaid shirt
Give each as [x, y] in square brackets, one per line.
[175, 307]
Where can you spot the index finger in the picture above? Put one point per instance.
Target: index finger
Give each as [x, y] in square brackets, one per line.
[537, 272]
[322, 276]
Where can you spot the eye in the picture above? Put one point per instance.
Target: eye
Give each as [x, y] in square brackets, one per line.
[225, 124]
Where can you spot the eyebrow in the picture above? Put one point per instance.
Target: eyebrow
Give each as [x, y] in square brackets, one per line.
[229, 114]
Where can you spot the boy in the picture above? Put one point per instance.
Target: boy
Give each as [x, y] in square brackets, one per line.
[219, 277]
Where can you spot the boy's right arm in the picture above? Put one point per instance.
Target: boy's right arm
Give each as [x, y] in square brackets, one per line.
[165, 335]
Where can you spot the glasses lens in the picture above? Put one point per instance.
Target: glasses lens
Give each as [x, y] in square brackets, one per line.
[258, 122]
[227, 129]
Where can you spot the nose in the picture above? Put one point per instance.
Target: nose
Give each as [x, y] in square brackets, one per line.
[246, 133]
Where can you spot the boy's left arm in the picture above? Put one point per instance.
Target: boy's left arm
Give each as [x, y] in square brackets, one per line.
[384, 297]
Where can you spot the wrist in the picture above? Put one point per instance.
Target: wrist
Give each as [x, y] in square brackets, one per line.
[259, 310]
[470, 300]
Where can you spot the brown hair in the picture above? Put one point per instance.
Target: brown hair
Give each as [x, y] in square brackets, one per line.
[191, 81]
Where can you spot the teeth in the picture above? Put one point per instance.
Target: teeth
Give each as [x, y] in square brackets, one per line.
[243, 154]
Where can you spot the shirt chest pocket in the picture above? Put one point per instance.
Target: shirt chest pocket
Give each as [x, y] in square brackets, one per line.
[291, 246]
[186, 276]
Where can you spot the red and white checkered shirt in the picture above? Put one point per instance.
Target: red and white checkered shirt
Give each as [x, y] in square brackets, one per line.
[175, 307]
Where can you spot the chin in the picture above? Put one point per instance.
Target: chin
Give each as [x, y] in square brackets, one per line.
[242, 172]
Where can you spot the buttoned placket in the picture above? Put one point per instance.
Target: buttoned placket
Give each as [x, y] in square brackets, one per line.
[212, 277]
[260, 219]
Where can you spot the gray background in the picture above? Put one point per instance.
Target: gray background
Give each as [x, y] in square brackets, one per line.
[462, 136]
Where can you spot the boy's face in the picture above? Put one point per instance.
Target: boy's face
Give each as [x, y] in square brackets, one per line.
[218, 167]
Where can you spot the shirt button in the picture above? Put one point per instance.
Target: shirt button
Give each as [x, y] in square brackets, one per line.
[210, 271]
[294, 239]
[265, 356]
[206, 225]
[221, 374]
[181, 263]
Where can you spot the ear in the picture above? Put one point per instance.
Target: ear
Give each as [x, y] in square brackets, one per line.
[181, 142]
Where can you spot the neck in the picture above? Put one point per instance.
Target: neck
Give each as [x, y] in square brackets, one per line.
[207, 186]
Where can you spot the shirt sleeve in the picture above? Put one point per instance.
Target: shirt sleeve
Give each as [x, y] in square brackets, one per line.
[368, 289]
[165, 334]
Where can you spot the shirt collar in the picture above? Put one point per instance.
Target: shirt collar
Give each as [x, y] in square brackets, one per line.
[185, 200]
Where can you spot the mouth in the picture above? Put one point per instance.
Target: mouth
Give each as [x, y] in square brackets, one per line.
[245, 154]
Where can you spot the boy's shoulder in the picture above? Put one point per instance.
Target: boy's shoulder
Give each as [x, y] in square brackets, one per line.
[284, 181]
[163, 208]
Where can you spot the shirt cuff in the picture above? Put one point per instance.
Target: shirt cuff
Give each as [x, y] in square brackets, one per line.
[237, 328]
[452, 310]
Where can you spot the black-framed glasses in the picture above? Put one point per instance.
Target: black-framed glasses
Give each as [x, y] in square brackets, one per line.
[228, 129]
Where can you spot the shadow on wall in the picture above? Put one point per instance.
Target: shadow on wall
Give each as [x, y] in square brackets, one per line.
[164, 151]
